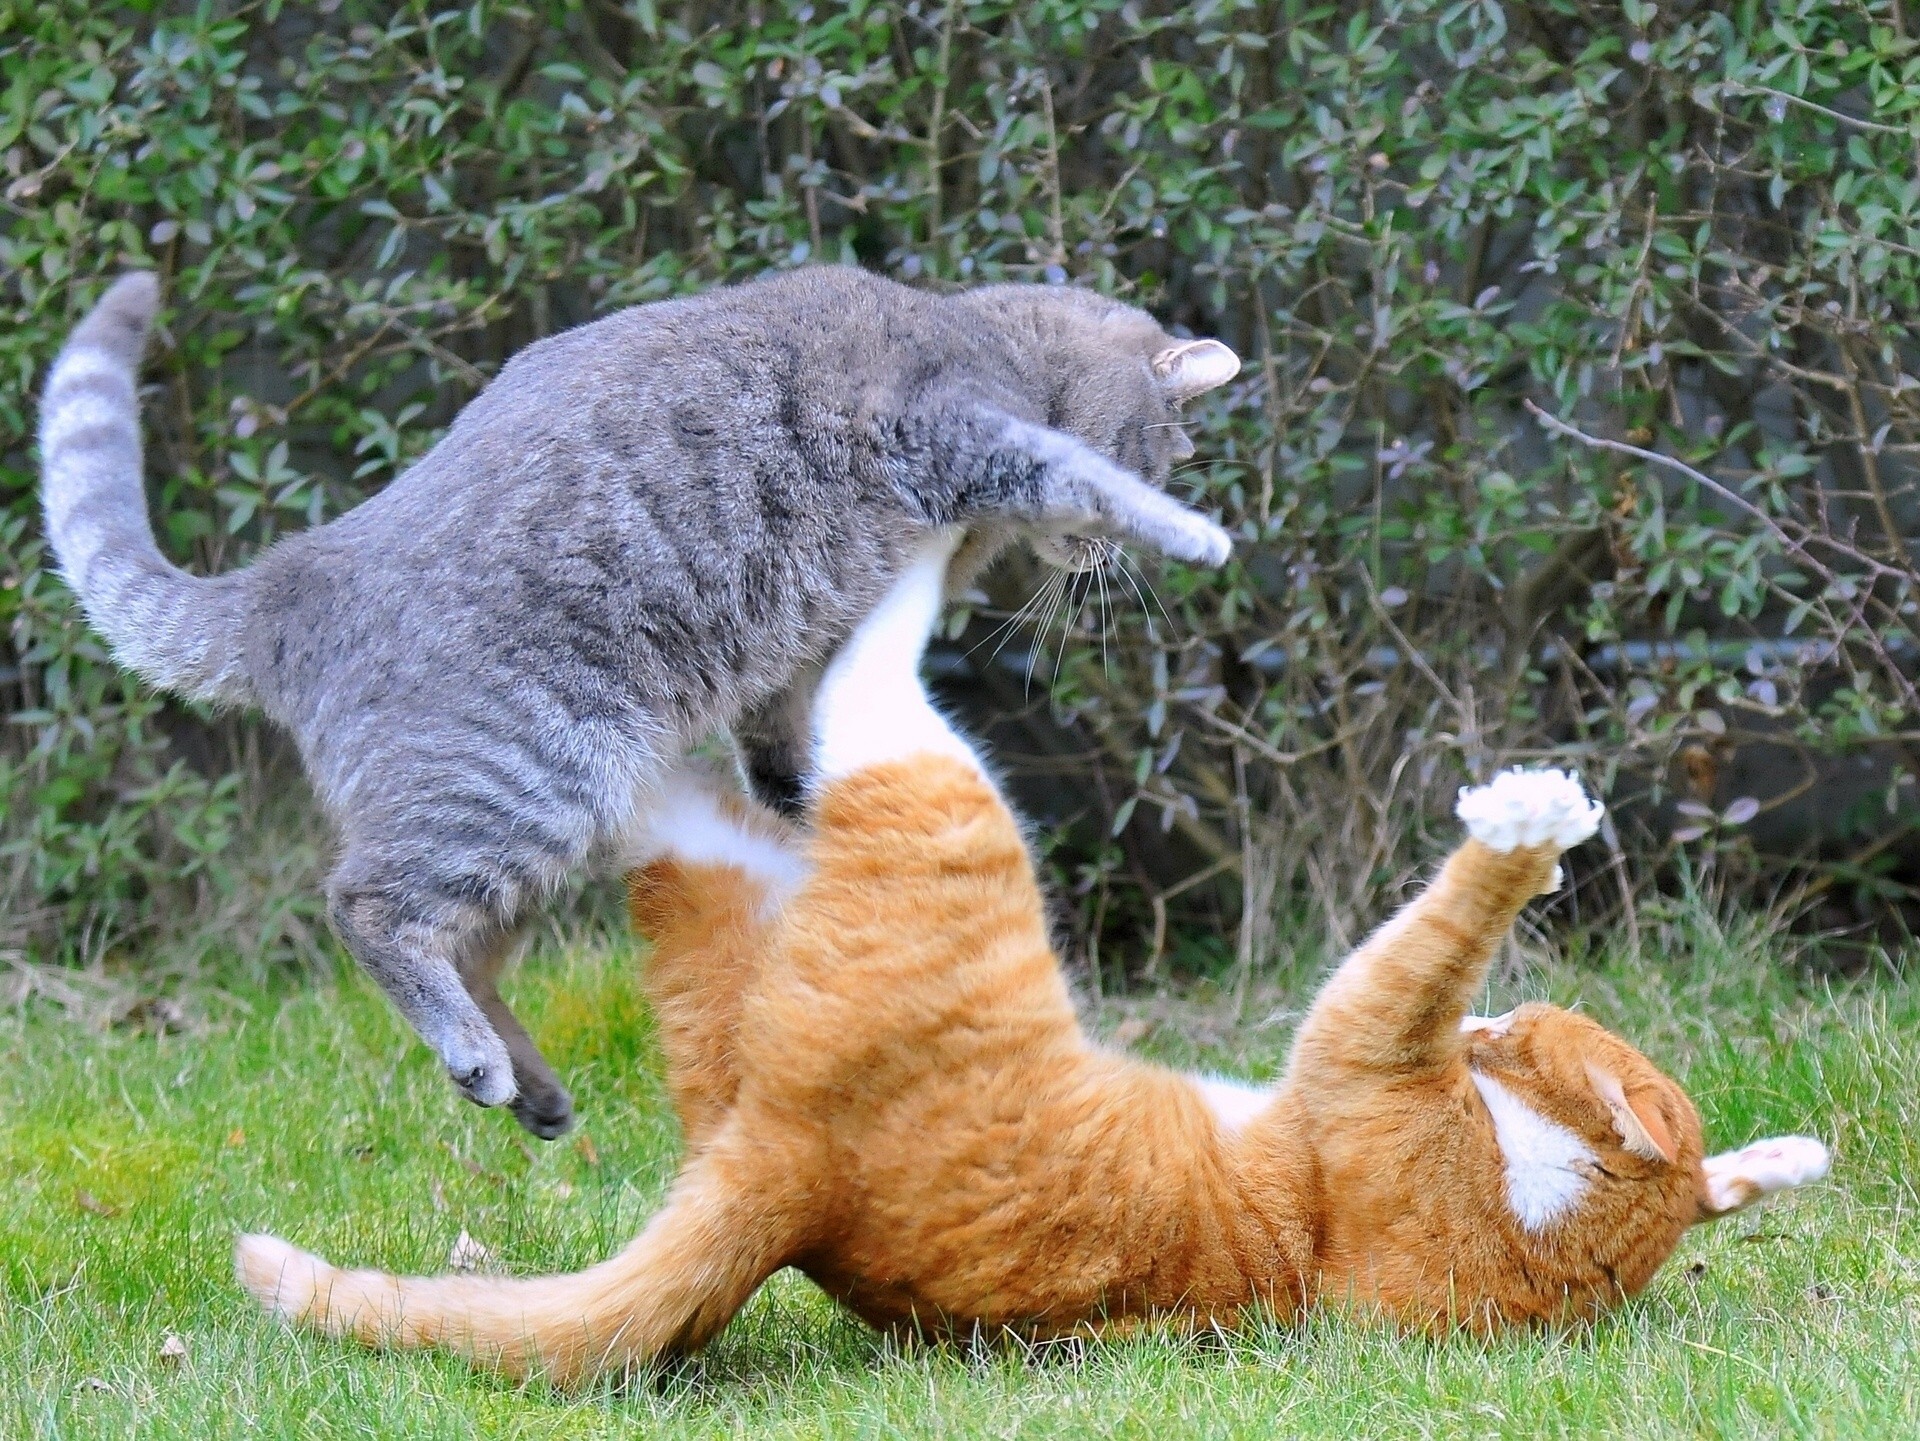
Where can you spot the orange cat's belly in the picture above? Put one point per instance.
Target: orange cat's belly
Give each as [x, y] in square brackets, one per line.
[1052, 1206]
[968, 1277]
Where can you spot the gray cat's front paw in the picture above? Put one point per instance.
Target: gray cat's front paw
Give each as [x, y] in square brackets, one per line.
[1124, 505]
[478, 1064]
[1196, 540]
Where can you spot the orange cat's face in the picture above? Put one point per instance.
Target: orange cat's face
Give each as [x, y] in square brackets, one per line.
[1583, 1076]
[1628, 1167]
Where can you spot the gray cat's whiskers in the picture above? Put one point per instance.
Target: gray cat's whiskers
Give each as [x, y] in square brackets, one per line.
[1106, 611]
[1009, 627]
[1057, 591]
[1143, 588]
[1070, 622]
[1122, 568]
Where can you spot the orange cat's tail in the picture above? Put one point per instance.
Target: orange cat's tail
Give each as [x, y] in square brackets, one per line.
[719, 1236]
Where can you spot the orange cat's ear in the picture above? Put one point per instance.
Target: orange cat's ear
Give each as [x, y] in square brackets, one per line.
[1643, 1131]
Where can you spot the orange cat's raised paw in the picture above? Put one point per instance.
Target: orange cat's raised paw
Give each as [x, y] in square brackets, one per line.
[1520, 809]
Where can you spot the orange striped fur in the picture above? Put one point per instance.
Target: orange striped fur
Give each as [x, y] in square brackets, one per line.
[883, 1083]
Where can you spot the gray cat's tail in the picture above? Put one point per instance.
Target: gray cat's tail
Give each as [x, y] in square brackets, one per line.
[178, 631]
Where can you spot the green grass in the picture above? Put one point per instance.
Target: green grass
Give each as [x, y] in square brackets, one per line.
[131, 1159]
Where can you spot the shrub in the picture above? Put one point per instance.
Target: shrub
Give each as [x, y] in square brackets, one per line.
[1442, 230]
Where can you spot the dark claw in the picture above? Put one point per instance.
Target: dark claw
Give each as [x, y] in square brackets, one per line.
[469, 1083]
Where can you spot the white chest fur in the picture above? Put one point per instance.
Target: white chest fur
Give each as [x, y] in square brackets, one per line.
[1233, 1103]
[1545, 1161]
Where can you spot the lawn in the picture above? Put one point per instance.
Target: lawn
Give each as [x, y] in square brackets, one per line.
[135, 1154]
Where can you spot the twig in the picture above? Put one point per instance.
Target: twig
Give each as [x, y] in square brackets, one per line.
[1056, 224]
[1701, 478]
[1796, 548]
[1908, 133]
[935, 117]
[1159, 902]
[1265, 749]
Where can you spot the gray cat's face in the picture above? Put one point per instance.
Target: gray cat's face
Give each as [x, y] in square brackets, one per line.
[1121, 387]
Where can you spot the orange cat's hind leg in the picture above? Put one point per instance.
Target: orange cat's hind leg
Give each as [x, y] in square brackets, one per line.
[710, 874]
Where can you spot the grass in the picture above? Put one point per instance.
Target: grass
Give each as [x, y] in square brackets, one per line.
[133, 1158]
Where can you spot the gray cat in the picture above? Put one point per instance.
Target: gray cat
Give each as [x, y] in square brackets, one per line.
[643, 530]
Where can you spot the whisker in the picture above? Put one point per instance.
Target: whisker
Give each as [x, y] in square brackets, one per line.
[1122, 570]
[1011, 624]
[1057, 589]
[1138, 578]
[1041, 616]
[1066, 629]
[1106, 616]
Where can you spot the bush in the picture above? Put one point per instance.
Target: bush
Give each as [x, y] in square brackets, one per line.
[1682, 229]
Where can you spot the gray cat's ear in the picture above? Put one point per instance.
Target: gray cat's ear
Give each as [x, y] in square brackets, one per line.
[1194, 367]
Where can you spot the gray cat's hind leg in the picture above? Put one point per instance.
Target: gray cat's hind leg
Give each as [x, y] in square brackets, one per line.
[540, 1103]
[775, 743]
[412, 960]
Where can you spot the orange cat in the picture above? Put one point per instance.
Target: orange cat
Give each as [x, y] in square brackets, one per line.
[882, 1083]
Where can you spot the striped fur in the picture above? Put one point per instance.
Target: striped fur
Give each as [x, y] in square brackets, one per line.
[177, 631]
[646, 529]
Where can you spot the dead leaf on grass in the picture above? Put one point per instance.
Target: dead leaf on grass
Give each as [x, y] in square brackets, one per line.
[173, 1349]
[93, 1205]
[468, 1254]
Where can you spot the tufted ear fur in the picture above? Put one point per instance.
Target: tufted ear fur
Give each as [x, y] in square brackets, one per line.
[1643, 1131]
[1194, 367]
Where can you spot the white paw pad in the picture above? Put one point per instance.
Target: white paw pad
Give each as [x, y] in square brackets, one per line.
[1738, 1178]
[1529, 808]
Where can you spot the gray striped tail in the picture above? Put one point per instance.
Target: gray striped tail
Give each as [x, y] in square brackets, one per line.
[178, 631]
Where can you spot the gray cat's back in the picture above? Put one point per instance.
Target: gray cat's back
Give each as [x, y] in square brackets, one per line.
[666, 502]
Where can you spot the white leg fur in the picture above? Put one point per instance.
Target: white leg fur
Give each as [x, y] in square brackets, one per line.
[1233, 1103]
[1736, 1179]
[1529, 808]
[1492, 1027]
[871, 706]
[696, 818]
